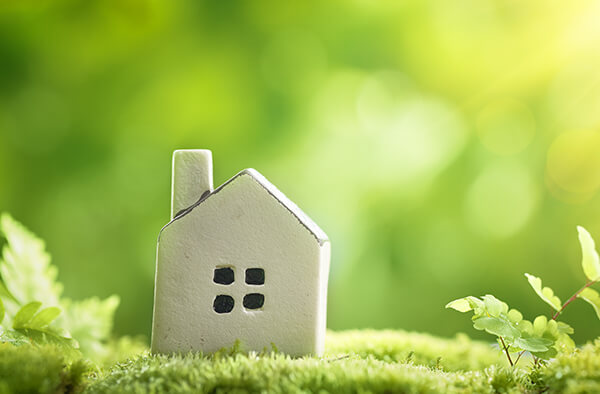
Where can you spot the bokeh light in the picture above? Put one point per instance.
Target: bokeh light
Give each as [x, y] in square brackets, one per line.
[501, 200]
[574, 162]
[506, 127]
[445, 147]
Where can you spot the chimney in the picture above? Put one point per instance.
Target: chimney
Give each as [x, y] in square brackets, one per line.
[192, 177]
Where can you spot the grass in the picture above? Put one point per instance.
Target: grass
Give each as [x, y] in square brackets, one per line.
[355, 362]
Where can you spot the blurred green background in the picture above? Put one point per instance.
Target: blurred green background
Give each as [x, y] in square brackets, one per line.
[446, 147]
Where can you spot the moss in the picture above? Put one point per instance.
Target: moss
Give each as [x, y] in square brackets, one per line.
[38, 369]
[278, 373]
[458, 354]
[572, 373]
[355, 361]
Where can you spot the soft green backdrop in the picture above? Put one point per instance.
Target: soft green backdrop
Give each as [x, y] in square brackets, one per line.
[446, 147]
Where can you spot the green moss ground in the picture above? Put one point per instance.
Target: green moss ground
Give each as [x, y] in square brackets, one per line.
[28, 369]
[579, 373]
[355, 362]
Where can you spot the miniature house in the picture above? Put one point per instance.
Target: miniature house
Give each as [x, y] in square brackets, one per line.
[239, 262]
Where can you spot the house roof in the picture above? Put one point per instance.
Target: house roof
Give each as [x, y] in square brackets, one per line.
[304, 220]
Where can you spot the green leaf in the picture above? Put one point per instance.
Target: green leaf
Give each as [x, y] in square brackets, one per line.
[548, 354]
[496, 326]
[494, 306]
[545, 293]
[592, 297]
[564, 343]
[564, 328]
[590, 259]
[44, 317]
[27, 276]
[25, 265]
[14, 337]
[1, 310]
[25, 314]
[514, 316]
[461, 305]
[539, 325]
[68, 345]
[533, 344]
[4, 291]
[551, 329]
[525, 326]
[90, 322]
[465, 304]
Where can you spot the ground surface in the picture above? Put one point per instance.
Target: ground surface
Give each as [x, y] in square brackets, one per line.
[355, 362]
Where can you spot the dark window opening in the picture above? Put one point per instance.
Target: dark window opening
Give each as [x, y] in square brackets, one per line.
[223, 276]
[255, 276]
[223, 304]
[254, 301]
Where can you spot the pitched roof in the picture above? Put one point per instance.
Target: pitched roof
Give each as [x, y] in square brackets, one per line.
[304, 220]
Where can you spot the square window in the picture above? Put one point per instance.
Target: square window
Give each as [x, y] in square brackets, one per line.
[223, 276]
[254, 301]
[255, 276]
[223, 303]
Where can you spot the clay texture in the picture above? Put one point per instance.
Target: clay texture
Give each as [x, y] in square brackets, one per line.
[238, 262]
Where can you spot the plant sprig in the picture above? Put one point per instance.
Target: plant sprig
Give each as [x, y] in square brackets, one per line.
[543, 337]
[28, 281]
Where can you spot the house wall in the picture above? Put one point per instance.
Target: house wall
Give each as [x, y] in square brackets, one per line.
[242, 226]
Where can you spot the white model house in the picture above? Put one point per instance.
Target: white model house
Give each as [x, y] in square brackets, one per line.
[239, 262]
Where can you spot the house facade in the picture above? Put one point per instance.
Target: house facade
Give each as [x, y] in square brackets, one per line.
[239, 262]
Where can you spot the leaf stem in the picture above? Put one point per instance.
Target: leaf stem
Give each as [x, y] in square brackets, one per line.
[519, 357]
[573, 297]
[506, 351]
